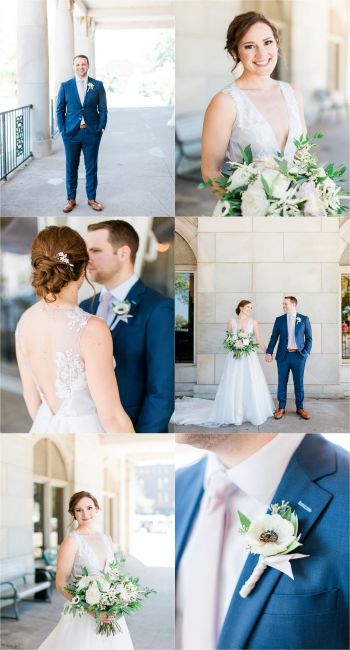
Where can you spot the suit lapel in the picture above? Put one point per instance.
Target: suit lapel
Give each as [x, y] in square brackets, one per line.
[87, 90]
[134, 296]
[297, 487]
[192, 493]
[75, 90]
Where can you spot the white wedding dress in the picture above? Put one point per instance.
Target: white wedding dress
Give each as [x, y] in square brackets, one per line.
[79, 633]
[48, 340]
[251, 127]
[242, 395]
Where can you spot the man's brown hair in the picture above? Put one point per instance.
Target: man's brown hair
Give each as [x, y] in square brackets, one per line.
[292, 299]
[121, 233]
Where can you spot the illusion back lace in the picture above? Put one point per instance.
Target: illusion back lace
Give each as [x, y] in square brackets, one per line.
[94, 552]
[252, 127]
[48, 339]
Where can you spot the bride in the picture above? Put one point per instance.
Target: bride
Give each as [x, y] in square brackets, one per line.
[83, 547]
[242, 395]
[254, 109]
[64, 354]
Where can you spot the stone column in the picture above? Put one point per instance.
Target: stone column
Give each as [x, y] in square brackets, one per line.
[91, 53]
[64, 41]
[33, 71]
[81, 35]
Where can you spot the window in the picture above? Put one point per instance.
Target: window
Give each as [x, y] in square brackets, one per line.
[184, 317]
[345, 314]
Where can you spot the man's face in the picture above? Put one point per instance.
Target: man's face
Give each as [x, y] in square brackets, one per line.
[289, 307]
[104, 260]
[80, 67]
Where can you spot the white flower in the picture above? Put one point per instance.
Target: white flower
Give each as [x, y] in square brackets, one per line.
[254, 201]
[103, 584]
[122, 308]
[84, 582]
[314, 205]
[223, 208]
[90, 86]
[270, 535]
[239, 178]
[245, 341]
[75, 600]
[277, 183]
[241, 334]
[93, 594]
[266, 163]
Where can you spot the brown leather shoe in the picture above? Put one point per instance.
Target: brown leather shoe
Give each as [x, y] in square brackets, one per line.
[279, 413]
[303, 414]
[69, 206]
[95, 205]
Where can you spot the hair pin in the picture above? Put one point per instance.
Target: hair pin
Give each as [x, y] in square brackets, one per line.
[62, 257]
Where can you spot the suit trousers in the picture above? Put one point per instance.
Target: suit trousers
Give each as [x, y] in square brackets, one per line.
[88, 141]
[295, 362]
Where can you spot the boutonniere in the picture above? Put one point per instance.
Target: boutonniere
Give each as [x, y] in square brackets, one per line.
[90, 86]
[297, 320]
[272, 537]
[122, 310]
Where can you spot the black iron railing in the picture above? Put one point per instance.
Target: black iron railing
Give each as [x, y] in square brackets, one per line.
[15, 139]
[53, 119]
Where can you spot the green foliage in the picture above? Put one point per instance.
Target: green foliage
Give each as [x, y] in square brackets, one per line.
[245, 522]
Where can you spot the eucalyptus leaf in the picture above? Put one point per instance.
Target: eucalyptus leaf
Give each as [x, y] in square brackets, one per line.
[245, 522]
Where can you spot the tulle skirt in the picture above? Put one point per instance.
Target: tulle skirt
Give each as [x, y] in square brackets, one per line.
[79, 633]
[242, 396]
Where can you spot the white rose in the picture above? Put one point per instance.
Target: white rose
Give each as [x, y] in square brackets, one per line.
[84, 582]
[277, 183]
[313, 206]
[239, 178]
[93, 594]
[270, 535]
[245, 341]
[254, 201]
[266, 163]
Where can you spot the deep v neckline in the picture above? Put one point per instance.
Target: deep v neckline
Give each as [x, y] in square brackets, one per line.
[92, 550]
[240, 329]
[261, 116]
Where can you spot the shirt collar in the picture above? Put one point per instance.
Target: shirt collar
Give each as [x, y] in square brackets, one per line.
[259, 475]
[121, 291]
[78, 79]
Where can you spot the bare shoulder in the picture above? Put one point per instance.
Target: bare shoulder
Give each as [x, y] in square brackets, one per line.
[69, 545]
[96, 327]
[222, 103]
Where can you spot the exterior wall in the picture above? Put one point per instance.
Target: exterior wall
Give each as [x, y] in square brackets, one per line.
[263, 260]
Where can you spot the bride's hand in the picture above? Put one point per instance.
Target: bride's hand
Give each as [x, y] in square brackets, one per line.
[268, 358]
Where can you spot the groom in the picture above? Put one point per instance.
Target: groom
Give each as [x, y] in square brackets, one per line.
[246, 473]
[141, 321]
[81, 118]
[294, 336]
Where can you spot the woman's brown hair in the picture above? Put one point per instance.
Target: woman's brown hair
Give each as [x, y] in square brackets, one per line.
[59, 256]
[242, 304]
[239, 26]
[75, 498]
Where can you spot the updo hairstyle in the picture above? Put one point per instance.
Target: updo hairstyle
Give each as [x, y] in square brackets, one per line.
[239, 27]
[75, 498]
[49, 248]
[242, 304]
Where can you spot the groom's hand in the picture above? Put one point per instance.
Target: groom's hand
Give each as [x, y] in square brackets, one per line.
[268, 358]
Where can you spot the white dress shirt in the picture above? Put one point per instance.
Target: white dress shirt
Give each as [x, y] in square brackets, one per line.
[81, 83]
[118, 295]
[291, 322]
[256, 480]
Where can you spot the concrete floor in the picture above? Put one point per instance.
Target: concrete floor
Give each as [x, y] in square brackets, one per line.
[327, 416]
[152, 628]
[192, 202]
[136, 171]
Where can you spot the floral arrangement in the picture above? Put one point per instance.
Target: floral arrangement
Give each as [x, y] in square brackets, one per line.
[240, 344]
[110, 591]
[276, 187]
[272, 537]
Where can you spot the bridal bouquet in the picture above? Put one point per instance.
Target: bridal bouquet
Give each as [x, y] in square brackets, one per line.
[276, 187]
[240, 344]
[111, 591]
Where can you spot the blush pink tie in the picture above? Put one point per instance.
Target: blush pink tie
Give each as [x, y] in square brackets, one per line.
[103, 308]
[200, 615]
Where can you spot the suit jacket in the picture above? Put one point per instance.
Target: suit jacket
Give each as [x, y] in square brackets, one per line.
[70, 110]
[144, 352]
[303, 336]
[311, 611]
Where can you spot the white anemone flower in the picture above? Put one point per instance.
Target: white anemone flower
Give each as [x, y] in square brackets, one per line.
[270, 535]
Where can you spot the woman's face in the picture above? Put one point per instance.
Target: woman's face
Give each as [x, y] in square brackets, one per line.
[258, 50]
[85, 511]
[246, 310]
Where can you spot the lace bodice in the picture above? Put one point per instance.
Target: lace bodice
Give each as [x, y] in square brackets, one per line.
[248, 329]
[48, 339]
[94, 552]
[252, 128]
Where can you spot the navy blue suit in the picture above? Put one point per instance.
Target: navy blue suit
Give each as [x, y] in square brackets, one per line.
[291, 361]
[69, 114]
[311, 611]
[144, 352]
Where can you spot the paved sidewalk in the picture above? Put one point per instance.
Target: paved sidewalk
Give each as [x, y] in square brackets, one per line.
[327, 416]
[151, 629]
[333, 148]
[136, 171]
